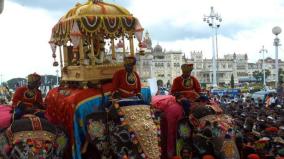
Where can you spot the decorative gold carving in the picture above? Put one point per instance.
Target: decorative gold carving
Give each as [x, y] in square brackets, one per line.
[140, 121]
[37, 135]
[92, 73]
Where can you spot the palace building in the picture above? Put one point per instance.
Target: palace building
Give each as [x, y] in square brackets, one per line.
[165, 65]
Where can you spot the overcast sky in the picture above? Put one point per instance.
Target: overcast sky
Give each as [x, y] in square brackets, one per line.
[25, 28]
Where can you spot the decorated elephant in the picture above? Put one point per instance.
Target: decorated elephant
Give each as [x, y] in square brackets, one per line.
[212, 132]
[32, 138]
[205, 130]
[125, 129]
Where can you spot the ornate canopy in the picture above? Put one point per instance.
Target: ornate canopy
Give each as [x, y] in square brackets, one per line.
[95, 17]
[83, 32]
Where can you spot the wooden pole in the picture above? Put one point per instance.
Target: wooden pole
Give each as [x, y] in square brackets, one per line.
[131, 44]
[123, 45]
[60, 57]
[81, 52]
[92, 56]
[66, 56]
[113, 49]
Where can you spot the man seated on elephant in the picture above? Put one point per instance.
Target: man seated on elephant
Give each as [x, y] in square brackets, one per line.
[28, 99]
[126, 82]
[186, 87]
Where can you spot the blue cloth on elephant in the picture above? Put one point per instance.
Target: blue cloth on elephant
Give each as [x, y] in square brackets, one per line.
[18, 113]
[185, 103]
[21, 110]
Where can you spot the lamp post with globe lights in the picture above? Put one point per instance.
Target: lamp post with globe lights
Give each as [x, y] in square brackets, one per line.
[263, 65]
[213, 21]
[57, 76]
[276, 31]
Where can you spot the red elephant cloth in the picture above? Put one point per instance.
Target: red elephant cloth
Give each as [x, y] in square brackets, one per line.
[127, 84]
[5, 116]
[188, 87]
[173, 112]
[27, 96]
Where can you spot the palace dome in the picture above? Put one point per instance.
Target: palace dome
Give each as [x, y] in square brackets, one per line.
[158, 48]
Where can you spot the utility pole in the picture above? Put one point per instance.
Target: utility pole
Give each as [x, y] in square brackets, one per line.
[276, 31]
[263, 64]
[213, 21]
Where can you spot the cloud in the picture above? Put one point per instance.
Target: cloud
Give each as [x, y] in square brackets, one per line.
[25, 33]
[176, 25]
[51, 5]
[59, 5]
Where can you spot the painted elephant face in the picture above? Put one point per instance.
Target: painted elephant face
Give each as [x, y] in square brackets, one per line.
[23, 140]
[132, 132]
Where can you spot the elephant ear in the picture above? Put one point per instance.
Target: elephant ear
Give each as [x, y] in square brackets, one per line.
[4, 145]
[33, 137]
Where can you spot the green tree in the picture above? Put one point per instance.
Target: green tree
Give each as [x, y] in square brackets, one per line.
[46, 80]
[14, 82]
[258, 75]
[160, 82]
[281, 75]
[232, 81]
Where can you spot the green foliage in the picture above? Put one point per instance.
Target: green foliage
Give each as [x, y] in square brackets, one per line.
[258, 75]
[256, 87]
[47, 80]
[12, 83]
[232, 82]
[244, 90]
[160, 82]
[281, 75]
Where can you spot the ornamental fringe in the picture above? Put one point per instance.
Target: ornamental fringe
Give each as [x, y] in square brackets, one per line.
[109, 26]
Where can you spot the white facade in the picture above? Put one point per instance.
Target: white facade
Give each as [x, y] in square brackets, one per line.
[165, 65]
[156, 63]
[160, 64]
[231, 64]
[269, 64]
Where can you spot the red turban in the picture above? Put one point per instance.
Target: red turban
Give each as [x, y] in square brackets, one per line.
[130, 60]
[33, 78]
[208, 157]
[253, 156]
[187, 67]
[272, 129]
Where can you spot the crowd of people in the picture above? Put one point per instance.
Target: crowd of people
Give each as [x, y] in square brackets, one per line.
[259, 127]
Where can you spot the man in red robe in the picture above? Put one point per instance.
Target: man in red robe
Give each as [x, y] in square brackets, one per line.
[126, 82]
[28, 99]
[186, 87]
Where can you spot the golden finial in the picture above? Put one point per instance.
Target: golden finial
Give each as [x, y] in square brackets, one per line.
[95, 1]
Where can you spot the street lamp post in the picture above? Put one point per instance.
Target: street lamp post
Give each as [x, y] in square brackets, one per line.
[263, 65]
[213, 21]
[57, 77]
[276, 31]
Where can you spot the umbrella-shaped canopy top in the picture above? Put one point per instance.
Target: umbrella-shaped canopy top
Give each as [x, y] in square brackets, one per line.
[95, 17]
[83, 32]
